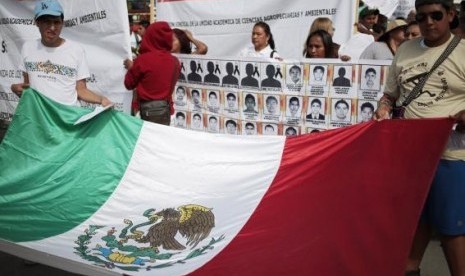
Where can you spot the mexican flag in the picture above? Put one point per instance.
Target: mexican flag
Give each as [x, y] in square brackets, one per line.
[114, 194]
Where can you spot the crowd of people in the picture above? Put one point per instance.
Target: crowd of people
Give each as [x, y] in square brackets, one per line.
[388, 35]
[414, 88]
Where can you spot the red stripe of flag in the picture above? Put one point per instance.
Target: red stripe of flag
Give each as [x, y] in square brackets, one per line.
[344, 202]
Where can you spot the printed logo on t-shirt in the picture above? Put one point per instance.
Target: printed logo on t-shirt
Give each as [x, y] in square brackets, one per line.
[48, 67]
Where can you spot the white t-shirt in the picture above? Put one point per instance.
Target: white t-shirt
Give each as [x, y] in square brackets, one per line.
[377, 50]
[53, 71]
[355, 45]
[265, 52]
[135, 39]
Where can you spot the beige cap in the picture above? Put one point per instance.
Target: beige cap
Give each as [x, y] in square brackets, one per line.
[392, 25]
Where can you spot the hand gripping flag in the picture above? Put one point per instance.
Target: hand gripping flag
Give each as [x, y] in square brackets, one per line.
[118, 195]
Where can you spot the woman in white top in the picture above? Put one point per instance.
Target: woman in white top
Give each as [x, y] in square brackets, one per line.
[387, 44]
[262, 43]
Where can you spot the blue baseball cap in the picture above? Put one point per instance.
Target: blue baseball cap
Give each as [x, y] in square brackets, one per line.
[47, 7]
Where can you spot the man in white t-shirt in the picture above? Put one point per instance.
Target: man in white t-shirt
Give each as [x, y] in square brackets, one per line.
[53, 66]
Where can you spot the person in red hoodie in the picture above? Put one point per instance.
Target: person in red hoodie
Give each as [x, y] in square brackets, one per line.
[154, 73]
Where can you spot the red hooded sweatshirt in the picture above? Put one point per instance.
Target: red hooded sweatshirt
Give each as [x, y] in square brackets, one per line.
[155, 70]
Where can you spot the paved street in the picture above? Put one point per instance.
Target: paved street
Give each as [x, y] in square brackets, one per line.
[434, 264]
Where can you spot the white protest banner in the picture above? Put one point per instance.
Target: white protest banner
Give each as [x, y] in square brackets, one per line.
[100, 26]
[226, 26]
[404, 8]
[385, 7]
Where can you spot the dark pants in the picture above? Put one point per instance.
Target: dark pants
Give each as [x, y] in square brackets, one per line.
[156, 112]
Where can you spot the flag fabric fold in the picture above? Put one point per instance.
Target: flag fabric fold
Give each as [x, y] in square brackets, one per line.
[121, 195]
[55, 164]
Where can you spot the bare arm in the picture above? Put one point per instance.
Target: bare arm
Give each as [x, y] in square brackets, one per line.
[18, 88]
[345, 57]
[201, 48]
[127, 64]
[86, 95]
[460, 120]
[384, 108]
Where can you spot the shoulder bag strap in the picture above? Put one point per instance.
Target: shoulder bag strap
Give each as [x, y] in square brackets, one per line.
[417, 89]
[272, 53]
[390, 48]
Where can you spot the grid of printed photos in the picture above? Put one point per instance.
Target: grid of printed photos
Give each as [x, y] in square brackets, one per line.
[270, 97]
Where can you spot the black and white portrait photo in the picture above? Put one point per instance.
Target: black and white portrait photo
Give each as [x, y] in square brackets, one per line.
[196, 99]
[231, 74]
[316, 109]
[365, 110]
[318, 74]
[180, 119]
[180, 97]
[272, 105]
[370, 77]
[230, 126]
[273, 76]
[342, 76]
[196, 69]
[197, 121]
[249, 128]
[269, 129]
[293, 108]
[251, 75]
[250, 105]
[341, 110]
[212, 75]
[213, 101]
[213, 124]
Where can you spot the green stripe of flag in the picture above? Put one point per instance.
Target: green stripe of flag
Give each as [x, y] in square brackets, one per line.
[66, 171]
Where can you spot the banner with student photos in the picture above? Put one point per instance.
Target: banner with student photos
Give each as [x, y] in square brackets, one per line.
[271, 97]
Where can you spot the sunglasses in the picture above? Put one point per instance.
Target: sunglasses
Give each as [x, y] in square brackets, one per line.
[436, 16]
